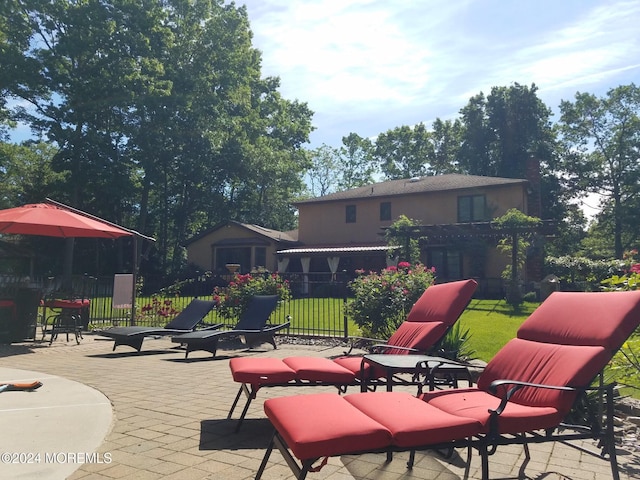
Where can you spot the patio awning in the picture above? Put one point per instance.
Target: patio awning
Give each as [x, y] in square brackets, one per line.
[333, 251]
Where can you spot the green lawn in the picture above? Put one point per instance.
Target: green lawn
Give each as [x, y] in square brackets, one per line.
[491, 324]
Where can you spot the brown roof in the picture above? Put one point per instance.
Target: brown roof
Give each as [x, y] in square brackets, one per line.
[433, 183]
[276, 235]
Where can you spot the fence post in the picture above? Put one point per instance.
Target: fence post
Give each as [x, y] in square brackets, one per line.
[344, 316]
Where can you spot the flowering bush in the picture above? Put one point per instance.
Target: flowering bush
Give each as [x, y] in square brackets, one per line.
[157, 312]
[381, 301]
[234, 298]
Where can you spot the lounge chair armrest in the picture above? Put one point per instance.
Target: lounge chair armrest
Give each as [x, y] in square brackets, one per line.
[383, 346]
[361, 342]
[276, 326]
[517, 385]
[213, 326]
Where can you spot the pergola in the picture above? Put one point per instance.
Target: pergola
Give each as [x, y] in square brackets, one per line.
[452, 231]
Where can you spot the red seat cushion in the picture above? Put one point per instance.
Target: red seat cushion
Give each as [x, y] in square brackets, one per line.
[323, 425]
[411, 421]
[475, 403]
[443, 302]
[418, 335]
[316, 369]
[260, 371]
[544, 363]
[593, 318]
[353, 363]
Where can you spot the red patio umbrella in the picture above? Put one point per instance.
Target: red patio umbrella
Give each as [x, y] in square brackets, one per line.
[54, 221]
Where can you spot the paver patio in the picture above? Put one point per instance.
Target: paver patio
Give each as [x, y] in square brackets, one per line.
[169, 420]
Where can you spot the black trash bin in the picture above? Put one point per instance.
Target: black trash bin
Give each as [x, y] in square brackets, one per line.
[27, 302]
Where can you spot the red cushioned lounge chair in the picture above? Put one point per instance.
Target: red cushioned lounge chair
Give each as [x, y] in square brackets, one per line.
[523, 396]
[429, 320]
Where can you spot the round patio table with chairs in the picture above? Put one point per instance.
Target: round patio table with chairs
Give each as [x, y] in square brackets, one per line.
[67, 317]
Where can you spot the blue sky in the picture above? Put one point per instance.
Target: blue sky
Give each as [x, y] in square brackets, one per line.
[367, 66]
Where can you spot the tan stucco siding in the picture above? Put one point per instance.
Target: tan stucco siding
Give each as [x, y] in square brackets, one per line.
[325, 222]
[202, 251]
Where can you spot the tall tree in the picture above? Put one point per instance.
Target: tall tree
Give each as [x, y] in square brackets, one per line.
[356, 162]
[322, 176]
[446, 137]
[158, 111]
[404, 152]
[601, 137]
[503, 130]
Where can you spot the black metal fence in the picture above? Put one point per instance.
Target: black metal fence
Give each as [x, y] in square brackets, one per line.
[317, 307]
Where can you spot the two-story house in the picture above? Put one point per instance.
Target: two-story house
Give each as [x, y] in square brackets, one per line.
[344, 231]
[349, 225]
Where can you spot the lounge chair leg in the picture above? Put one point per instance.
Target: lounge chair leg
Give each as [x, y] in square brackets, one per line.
[265, 459]
[250, 397]
[235, 401]
[412, 459]
[484, 457]
[527, 457]
[467, 467]
[610, 435]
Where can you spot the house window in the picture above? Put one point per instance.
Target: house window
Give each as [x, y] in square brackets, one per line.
[471, 208]
[447, 262]
[350, 214]
[385, 211]
[241, 255]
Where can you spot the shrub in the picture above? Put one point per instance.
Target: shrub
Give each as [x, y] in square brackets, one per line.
[625, 365]
[157, 312]
[381, 301]
[581, 270]
[234, 298]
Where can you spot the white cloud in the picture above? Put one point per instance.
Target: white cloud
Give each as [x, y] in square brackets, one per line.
[366, 66]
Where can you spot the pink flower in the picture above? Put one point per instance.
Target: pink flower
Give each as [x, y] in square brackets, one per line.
[404, 265]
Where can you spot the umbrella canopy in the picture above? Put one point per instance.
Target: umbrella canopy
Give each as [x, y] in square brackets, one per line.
[53, 221]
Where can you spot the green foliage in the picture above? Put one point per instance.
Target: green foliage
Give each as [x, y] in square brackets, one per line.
[402, 151]
[625, 365]
[600, 139]
[456, 343]
[381, 301]
[159, 113]
[234, 298]
[517, 229]
[575, 270]
[398, 235]
[515, 219]
[502, 130]
[356, 162]
[157, 311]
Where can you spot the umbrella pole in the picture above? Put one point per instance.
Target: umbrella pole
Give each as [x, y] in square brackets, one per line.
[67, 268]
[134, 271]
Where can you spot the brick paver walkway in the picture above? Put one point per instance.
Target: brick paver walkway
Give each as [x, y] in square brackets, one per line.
[170, 421]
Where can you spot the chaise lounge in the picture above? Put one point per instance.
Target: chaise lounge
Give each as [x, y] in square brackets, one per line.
[429, 320]
[186, 321]
[523, 396]
[252, 328]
